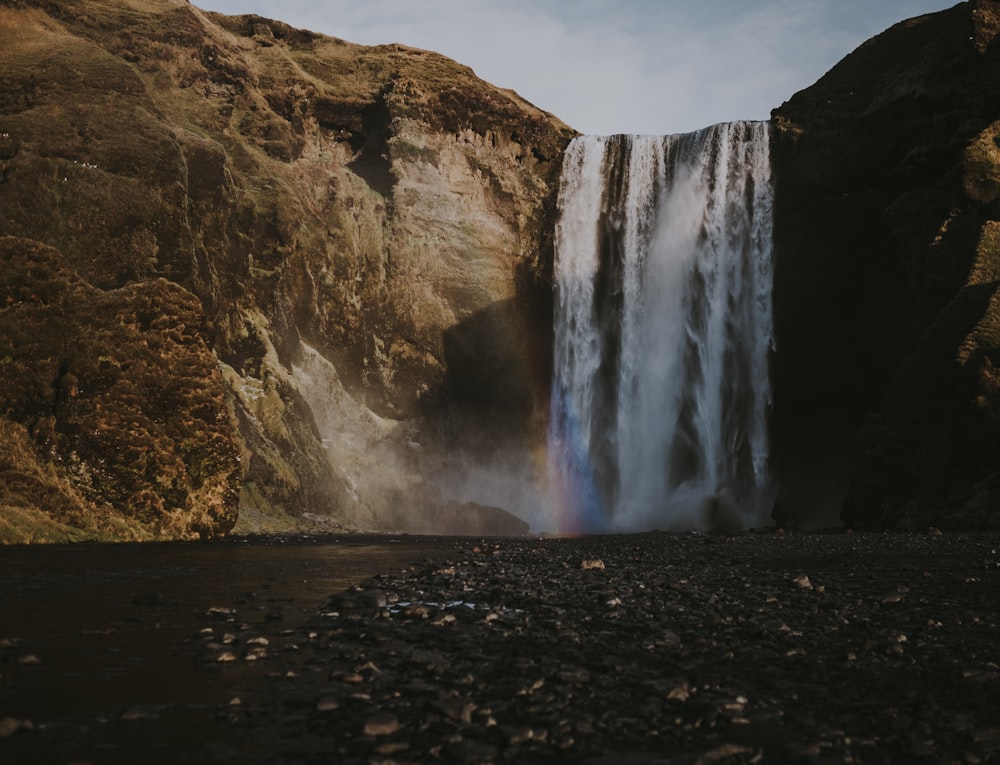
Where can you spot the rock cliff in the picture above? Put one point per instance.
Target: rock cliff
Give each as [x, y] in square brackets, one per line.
[245, 260]
[887, 269]
[253, 277]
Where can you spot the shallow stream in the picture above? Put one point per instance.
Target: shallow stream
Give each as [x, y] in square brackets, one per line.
[95, 634]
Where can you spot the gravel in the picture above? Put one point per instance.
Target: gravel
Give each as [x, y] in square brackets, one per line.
[652, 648]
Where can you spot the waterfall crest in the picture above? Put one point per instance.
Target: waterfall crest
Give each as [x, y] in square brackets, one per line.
[662, 331]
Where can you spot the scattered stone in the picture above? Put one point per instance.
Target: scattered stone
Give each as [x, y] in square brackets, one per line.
[722, 754]
[576, 676]
[327, 704]
[139, 713]
[803, 582]
[357, 601]
[519, 735]
[381, 724]
[107, 632]
[551, 677]
[430, 660]
[389, 748]
[457, 709]
[593, 564]
[465, 750]
[680, 692]
[11, 725]
[28, 658]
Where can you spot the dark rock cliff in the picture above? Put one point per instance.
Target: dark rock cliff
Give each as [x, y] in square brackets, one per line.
[352, 243]
[887, 267]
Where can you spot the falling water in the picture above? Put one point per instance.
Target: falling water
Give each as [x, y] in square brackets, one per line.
[662, 330]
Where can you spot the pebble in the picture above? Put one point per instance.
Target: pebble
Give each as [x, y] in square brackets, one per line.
[381, 724]
[392, 747]
[470, 751]
[11, 725]
[680, 693]
[519, 735]
[576, 676]
[139, 713]
[327, 704]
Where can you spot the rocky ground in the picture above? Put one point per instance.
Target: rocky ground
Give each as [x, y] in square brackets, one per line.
[654, 648]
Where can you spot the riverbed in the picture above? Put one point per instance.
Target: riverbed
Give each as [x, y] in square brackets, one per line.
[646, 648]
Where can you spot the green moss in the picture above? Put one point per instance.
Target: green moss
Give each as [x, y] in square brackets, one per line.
[119, 386]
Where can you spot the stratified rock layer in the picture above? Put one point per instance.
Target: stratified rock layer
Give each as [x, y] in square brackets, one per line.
[366, 231]
[887, 269]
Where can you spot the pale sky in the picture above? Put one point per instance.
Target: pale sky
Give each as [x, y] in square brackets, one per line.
[618, 66]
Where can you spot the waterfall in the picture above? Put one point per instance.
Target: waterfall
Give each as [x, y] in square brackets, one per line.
[662, 331]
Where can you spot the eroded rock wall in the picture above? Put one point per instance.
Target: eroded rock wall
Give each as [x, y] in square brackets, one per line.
[365, 230]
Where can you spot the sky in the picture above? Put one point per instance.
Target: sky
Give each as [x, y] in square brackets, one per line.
[618, 66]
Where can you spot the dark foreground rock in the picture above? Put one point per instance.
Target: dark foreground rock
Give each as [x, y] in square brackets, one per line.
[657, 648]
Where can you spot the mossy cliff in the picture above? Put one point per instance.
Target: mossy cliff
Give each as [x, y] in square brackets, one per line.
[116, 423]
[248, 267]
[886, 389]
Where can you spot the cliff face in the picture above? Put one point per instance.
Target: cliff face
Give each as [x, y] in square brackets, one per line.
[887, 268]
[346, 251]
[248, 270]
